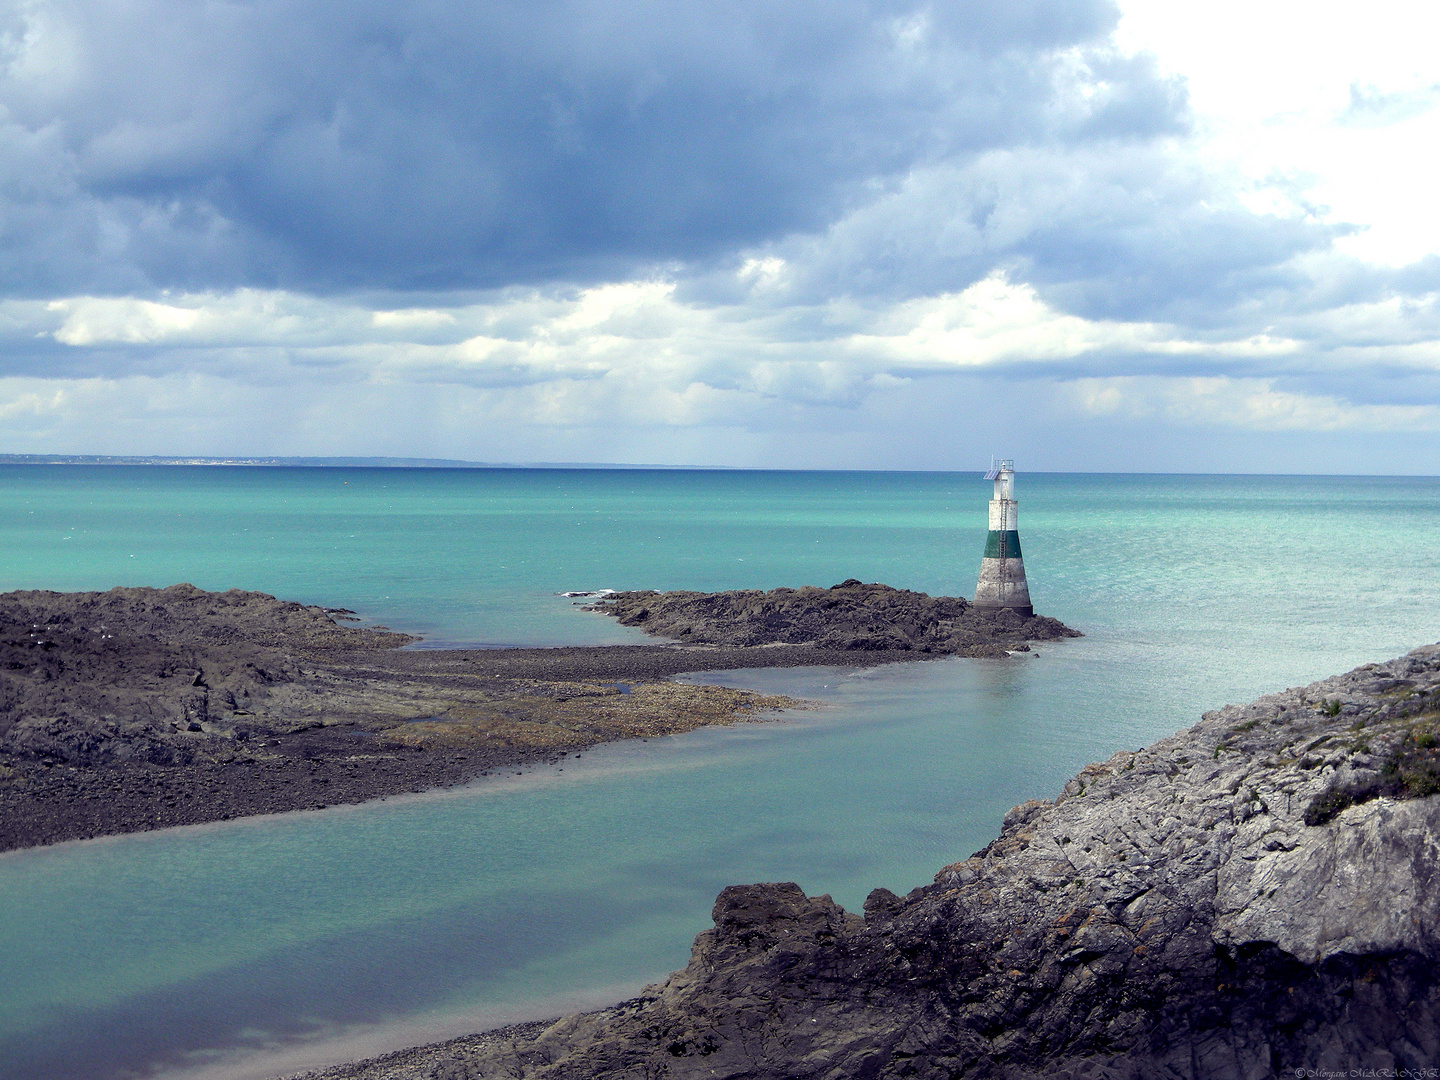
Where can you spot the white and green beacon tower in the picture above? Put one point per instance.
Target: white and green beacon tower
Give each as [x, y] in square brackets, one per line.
[1002, 582]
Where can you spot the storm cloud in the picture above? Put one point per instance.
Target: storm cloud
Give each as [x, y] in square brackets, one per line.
[321, 146]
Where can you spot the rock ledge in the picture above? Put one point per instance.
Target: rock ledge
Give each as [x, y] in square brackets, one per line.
[844, 617]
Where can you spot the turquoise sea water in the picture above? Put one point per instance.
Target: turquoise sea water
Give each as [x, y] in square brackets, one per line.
[250, 947]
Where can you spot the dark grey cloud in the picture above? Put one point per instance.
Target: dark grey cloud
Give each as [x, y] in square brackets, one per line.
[427, 145]
[1372, 384]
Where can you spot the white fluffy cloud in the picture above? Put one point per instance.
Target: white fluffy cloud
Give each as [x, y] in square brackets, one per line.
[636, 329]
[636, 355]
[1326, 104]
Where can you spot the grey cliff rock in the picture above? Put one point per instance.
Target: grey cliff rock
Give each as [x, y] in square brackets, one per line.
[1169, 915]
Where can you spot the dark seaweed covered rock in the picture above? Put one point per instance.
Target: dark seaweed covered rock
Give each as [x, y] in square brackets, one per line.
[848, 616]
[95, 678]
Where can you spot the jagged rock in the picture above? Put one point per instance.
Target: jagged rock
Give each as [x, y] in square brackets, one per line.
[847, 616]
[1169, 915]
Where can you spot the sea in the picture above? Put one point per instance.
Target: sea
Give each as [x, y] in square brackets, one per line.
[264, 946]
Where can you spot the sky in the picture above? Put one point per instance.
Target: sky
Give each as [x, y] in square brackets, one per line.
[825, 234]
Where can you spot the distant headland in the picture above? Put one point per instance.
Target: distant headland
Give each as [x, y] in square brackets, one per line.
[324, 462]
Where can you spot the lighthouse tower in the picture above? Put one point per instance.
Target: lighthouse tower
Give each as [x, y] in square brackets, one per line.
[1002, 572]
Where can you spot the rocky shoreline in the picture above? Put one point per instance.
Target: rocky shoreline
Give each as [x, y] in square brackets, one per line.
[140, 709]
[1256, 896]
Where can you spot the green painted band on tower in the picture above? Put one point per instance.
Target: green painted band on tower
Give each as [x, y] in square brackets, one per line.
[1012, 545]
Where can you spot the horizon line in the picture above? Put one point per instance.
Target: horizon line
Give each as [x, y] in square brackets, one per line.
[390, 462]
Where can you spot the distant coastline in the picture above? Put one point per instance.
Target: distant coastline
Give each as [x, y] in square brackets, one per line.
[330, 462]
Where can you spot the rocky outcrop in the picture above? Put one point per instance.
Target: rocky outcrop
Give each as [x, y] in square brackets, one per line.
[136, 674]
[848, 616]
[1169, 915]
[144, 708]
